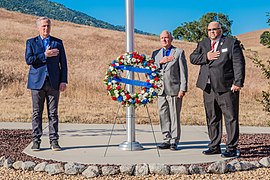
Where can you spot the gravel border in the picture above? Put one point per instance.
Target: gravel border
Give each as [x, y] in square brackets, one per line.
[254, 149]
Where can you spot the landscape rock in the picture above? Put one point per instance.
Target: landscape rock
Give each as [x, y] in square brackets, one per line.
[231, 165]
[2, 160]
[246, 165]
[127, 169]
[141, 170]
[53, 169]
[74, 168]
[265, 161]
[219, 167]
[196, 169]
[17, 165]
[256, 163]
[179, 170]
[40, 167]
[90, 172]
[28, 166]
[161, 169]
[109, 170]
[8, 163]
[240, 166]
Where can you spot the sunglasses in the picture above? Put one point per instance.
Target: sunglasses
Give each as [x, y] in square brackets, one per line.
[214, 29]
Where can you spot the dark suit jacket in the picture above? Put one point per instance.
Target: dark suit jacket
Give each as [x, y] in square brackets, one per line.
[228, 69]
[57, 66]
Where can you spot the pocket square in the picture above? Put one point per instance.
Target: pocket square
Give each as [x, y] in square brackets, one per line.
[224, 50]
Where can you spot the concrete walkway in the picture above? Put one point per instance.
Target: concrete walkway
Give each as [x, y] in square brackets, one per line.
[87, 143]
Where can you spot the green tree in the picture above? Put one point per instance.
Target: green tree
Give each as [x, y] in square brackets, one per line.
[188, 32]
[265, 36]
[197, 30]
[265, 68]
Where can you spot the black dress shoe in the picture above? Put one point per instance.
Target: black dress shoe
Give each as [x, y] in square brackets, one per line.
[230, 153]
[173, 147]
[164, 146]
[211, 151]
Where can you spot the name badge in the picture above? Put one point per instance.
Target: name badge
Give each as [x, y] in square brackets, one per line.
[224, 50]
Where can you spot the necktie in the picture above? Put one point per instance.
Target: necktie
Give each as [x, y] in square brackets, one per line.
[46, 43]
[213, 46]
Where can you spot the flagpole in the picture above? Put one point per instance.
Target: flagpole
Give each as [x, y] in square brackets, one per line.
[130, 144]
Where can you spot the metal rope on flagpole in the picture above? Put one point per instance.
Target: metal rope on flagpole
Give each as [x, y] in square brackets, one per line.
[130, 144]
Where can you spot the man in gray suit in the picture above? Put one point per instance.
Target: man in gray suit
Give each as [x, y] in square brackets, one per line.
[172, 64]
[221, 76]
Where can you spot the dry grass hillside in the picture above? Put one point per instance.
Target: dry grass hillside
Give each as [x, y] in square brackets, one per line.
[89, 51]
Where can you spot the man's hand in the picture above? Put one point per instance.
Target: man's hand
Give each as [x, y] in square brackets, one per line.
[211, 55]
[181, 94]
[62, 87]
[166, 59]
[235, 88]
[51, 52]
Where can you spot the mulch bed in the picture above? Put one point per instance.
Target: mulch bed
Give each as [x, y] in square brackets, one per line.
[13, 142]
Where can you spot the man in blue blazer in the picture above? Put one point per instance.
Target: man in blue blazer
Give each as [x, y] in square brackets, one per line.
[47, 77]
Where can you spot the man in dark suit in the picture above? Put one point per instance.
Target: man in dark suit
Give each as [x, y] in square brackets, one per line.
[221, 76]
[47, 77]
[172, 64]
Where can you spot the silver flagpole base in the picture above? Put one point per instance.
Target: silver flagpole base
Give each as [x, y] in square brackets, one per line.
[130, 146]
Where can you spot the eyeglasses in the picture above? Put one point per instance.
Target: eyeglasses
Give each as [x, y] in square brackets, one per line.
[214, 29]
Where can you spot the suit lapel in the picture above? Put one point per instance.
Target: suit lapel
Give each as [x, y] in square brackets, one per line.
[208, 45]
[159, 57]
[39, 43]
[52, 42]
[221, 42]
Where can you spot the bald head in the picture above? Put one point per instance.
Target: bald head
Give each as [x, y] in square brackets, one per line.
[214, 30]
[166, 39]
[215, 23]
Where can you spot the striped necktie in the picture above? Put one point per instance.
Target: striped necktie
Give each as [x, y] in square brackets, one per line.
[213, 45]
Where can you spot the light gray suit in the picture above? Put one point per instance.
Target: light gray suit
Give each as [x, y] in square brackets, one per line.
[175, 78]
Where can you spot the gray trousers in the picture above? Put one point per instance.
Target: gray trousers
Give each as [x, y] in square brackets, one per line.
[216, 104]
[38, 98]
[169, 108]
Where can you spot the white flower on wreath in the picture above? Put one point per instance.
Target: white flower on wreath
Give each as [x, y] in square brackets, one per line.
[145, 94]
[129, 60]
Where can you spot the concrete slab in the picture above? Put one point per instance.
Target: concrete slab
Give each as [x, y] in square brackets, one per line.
[87, 144]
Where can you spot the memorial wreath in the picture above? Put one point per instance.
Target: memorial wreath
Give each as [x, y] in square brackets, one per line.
[134, 62]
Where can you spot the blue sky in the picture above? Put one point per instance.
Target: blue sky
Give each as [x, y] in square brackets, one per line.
[153, 16]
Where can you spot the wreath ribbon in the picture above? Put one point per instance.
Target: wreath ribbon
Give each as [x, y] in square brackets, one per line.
[134, 62]
[133, 82]
[134, 69]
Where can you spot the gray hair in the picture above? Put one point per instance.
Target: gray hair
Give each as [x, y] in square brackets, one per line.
[41, 19]
[167, 32]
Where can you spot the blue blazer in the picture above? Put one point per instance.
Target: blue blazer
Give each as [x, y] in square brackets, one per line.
[56, 66]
